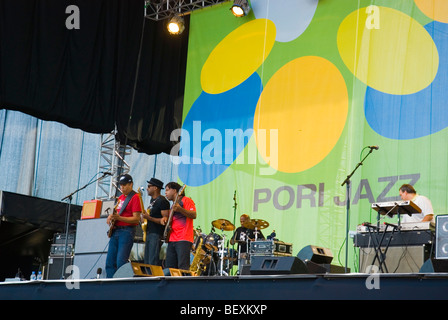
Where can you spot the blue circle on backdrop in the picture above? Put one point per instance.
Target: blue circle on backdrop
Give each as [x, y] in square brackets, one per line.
[208, 144]
[414, 115]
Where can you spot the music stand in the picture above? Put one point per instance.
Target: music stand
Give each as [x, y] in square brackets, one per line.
[396, 207]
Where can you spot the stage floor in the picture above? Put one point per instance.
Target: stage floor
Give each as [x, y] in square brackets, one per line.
[352, 286]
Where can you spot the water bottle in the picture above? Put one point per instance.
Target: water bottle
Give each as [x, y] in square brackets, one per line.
[39, 275]
[33, 276]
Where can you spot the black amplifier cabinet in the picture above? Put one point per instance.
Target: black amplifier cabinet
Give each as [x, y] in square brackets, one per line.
[54, 267]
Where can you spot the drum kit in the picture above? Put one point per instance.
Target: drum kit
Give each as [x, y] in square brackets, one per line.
[217, 257]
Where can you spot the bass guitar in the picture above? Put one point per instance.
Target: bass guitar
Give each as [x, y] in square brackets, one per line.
[125, 203]
[143, 221]
[167, 232]
[112, 223]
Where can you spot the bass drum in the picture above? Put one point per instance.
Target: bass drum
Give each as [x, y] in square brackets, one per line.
[212, 241]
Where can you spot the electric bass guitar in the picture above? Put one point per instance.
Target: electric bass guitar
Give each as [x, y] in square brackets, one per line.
[125, 203]
[112, 223]
[143, 221]
[167, 232]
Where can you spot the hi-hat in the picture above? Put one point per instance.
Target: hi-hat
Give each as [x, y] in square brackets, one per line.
[256, 223]
[223, 224]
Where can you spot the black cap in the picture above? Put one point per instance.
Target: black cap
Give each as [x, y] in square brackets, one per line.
[155, 182]
[124, 179]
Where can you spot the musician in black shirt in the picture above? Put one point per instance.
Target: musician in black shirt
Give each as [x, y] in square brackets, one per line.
[158, 208]
[243, 235]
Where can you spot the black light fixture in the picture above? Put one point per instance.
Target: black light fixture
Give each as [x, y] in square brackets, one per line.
[240, 8]
[176, 25]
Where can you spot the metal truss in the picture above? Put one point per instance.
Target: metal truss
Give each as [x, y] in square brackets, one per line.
[111, 161]
[163, 9]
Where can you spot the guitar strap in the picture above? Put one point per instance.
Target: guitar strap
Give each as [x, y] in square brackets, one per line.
[126, 201]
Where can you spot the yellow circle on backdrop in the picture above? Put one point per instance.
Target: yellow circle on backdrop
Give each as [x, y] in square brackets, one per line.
[238, 56]
[305, 103]
[388, 50]
[434, 9]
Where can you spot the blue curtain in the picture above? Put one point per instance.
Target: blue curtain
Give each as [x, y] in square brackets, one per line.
[49, 160]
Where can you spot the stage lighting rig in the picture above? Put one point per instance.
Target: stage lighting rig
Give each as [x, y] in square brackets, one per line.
[240, 8]
[164, 9]
[176, 25]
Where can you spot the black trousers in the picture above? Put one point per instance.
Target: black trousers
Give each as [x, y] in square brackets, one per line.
[178, 255]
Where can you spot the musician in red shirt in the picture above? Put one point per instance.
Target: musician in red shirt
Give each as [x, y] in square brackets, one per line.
[123, 224]
[182, 234]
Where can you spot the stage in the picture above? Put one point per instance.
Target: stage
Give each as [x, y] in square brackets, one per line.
[352, 286]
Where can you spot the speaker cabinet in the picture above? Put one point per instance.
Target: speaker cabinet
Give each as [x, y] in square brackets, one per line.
[134, 269]
[277, 265]
[316, 254]
[442, 237]
[398, 259]
[54, 267]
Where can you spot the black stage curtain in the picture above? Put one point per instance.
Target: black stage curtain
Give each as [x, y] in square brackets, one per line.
[85, 77]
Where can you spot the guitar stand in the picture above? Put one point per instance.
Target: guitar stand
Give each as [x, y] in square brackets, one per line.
[380, 255]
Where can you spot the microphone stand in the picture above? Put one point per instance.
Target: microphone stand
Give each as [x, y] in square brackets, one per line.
[347, 224]
[67, 217]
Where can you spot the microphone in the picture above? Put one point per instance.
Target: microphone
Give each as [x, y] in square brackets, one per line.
[374, 147]
[98, 272]
[107, 173]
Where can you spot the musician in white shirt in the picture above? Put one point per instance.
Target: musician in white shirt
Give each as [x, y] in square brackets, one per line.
[407, 192]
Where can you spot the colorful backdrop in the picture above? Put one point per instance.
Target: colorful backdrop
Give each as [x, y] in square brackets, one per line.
[280, 106]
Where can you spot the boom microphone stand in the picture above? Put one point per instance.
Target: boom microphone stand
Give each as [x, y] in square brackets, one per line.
[67, 217]
[347, 183]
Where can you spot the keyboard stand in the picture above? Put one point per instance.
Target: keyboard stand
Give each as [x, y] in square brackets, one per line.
[381, 256]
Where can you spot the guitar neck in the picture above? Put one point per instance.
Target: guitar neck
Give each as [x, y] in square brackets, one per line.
[167, 231]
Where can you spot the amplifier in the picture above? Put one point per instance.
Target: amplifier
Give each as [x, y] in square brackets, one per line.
[282, 248]
[59, 238]
[406, 259]
[59, 249]
[54, 267]
[91, 209]
[262, 248]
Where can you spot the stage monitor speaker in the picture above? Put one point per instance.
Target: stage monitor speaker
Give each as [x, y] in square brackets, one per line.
[262, 265]
[315, 268]
[91, 209]
[441, 237]
[181, 273]
[433, 265]
[135, 269]
[316, 254]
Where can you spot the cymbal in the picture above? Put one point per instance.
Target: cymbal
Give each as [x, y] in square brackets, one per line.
[256, 223]
[223, 224]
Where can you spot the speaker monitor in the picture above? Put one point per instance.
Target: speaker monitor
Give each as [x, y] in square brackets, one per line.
[135, 269]
[180, 272]
[316, 254]
[441, 237]
[262, 265]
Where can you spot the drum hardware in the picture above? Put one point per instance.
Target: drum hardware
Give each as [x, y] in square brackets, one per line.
[256, 224]
[223, 225]
[215, 243]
